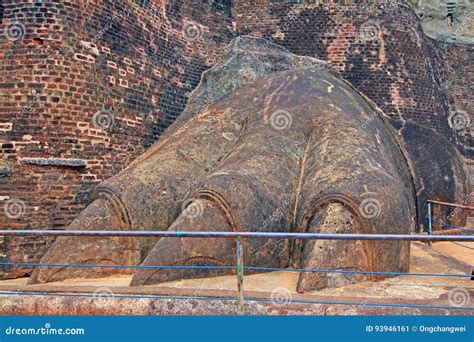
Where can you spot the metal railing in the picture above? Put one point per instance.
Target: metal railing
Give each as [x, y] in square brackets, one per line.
[430, 219]
[246, 235]
[462, 206]
[239, 239]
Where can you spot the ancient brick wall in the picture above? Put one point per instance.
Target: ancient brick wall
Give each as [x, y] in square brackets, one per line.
[378, 46]
[96, 81]
[459, 80]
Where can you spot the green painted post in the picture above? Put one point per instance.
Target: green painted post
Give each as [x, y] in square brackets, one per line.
[240, 276]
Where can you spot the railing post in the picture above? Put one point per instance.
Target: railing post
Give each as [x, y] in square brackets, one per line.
[430, 227]
[240, 276]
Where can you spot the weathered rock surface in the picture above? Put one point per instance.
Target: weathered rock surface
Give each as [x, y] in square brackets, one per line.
[439, 172]
[446, 20]
[268, 142]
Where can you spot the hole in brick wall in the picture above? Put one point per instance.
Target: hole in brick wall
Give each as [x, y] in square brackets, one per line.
[450, 20]
[451, 12]
[6, 145]
[38, 41]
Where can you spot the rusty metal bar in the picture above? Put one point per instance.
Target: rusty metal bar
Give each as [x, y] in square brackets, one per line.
[451, 204]
[240, 276]
[454, 231]
[233, 235]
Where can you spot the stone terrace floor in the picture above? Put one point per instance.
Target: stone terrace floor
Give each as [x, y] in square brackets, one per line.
[219, 292]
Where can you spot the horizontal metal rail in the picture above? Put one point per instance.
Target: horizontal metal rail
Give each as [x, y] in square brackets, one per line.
[452, 205]
[446, 224]
[250, 235]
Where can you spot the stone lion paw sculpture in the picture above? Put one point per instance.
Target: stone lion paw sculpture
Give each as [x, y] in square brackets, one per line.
[269, 142]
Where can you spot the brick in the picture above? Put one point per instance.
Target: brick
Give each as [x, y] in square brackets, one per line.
[162, 66]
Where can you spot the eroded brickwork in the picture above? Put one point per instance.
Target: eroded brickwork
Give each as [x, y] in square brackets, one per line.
[91, 80]
[378, 46]
[100, 80]
[458, 82]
